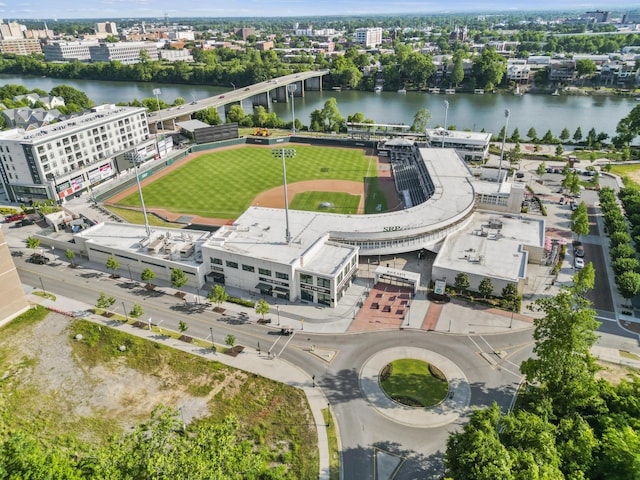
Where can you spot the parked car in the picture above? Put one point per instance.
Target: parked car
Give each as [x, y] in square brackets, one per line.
[580, 251]
[286, 331]
[38, 258]
[579, 262]
[14, 218]
[519, 175]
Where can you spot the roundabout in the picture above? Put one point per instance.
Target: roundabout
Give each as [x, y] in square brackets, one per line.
[447, 411]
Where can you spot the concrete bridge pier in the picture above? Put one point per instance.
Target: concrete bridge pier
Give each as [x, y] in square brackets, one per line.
[313, 84]
[263, 99]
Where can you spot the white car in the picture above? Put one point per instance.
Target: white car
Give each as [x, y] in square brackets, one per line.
[579, 262]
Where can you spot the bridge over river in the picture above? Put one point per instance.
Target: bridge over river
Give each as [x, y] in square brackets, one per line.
[262, 93]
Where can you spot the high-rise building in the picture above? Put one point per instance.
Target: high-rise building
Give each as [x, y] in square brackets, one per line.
[369, 37]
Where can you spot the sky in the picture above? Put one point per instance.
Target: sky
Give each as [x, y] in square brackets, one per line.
[116, 9]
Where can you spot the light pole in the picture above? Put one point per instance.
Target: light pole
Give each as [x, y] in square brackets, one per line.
[278, 310]
[213, 347]
[292, 88]
[286, 153]
[124, 309]
[42, 285]
[130, 276]
[446, 111]
[233, 85]
[136, 159]
[157, 92]
[504, 140]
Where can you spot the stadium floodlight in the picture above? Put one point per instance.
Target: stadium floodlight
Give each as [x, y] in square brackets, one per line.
[504, 140]
[285, 153]
[135, 158]
[446, 111]
[157, 92]
[292, 89]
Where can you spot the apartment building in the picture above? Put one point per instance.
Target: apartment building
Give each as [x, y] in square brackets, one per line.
[124, 52]
[65, 158]
[68, 51]
[369, 37]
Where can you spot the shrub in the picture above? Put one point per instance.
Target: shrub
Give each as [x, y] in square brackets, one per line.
[436, 372]
[241, 301]
[386, 372]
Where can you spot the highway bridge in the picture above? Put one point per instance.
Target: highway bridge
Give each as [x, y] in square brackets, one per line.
[262, 93]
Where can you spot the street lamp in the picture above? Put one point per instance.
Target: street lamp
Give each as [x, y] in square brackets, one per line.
[130, 276]
[124, 309]
[446, 111]
[292, 88]
[213, 347]
[42, 285]
[504, 140]
[285, 153]
[278, 310]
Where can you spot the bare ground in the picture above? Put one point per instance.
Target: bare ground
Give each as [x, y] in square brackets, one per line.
[40, 359]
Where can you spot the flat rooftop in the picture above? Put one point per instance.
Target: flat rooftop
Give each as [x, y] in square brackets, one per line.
[127, 237]
[458, 135]
[491, 246]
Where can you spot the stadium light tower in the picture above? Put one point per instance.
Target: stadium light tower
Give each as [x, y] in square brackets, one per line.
[504, 140]
[446, 111]
[285, 153]
[136, 160]
[292, 89]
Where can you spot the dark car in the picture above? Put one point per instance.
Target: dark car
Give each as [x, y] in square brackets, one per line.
[580, 251]
[519, 175]
[38, 258]
[14, 218]
[286, 331]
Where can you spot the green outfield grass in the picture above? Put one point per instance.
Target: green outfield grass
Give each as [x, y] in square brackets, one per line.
[311, 201]
[223, 184]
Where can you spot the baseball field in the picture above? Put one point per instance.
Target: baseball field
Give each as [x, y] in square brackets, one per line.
[224, 183]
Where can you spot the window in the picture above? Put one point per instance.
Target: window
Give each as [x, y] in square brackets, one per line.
[324, 282]
[264, 271]
[215, 261]
[248, 268]
[304, 278]
[283, 276]
[231, 264]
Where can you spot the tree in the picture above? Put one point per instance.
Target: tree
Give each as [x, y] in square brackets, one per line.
[628, 284]
[514, 155]
[218, 295]
[421, 120]
[547, 138]
[104, 302]
[147, 275]
[621, 265]
[532, 134]
[182, 326]
[559, 150]
[33, 242]
[511, 296]
[486, 287]
[461, 282]
[70, 254]
[628, 128]
[489, 67]
[334, 121]
[616, 238]
[577, 136]
[72, 96]
[580, 225]
[209, 115]
[262, 307]
[564, 134]
[112, 264]
[563, 366]
[584, 279]
[230, 340]
[476, 452]
[136, 311]
[178, 278]
[457, 74]
[542, 169]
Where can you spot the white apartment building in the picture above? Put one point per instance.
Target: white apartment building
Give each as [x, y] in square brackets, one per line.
[104, 29]
[369, 37]
[68, 51]
[65, 158]
[124, 52]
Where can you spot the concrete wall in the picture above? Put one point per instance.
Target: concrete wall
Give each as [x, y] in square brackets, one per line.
[13, 301]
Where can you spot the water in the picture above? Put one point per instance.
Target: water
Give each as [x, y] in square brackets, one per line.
[466, 111]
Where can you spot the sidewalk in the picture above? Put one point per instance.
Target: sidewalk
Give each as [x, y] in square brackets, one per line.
[250, 360]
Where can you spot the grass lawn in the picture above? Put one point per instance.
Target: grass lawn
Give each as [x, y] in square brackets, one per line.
[629, 173]
[342, 202]
[134, 216]
[411, 383]
[223, 184]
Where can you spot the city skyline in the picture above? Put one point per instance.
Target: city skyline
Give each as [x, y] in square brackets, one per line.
[118, 9]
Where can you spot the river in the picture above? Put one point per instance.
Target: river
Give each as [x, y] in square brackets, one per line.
[466, 111]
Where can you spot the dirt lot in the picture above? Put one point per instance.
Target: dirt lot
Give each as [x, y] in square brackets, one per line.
[45, 384]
